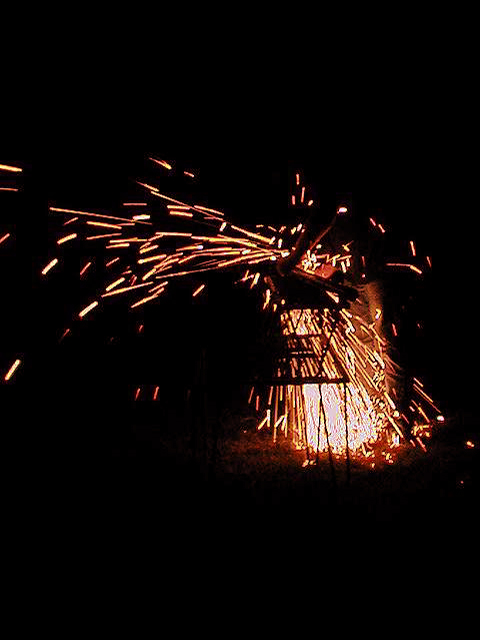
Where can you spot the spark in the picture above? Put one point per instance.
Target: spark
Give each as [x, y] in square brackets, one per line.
[208, 210]
[189, 174]
[105, 225]
[412, 248]
[93, 215]
[406, 266]
[70, 221]
[100, 237]
[109, 264]
[12, 370]
[72, 236]
[134, 204]
[87, 266]
[125, 289]
[342, 210]
[5, 237]
[49, 266]
[91, 306]
[184, 214]
[114, 284]
[250, 234]
[198, 290]
[65, 334]
[156, 258]
[6, 167]
[144, 300]
[162, 163]
[155, 393]
[469, 444]
[8, 189]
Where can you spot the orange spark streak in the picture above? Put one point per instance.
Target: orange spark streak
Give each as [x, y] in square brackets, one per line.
[124, 289]
[105, 235]
[429, 261]
[106, 225]
[373, 222]
[6, 167]
[298, 178]
[83, 313]
[8, 189]
[160, 256]
[412, 248]
[199, 290]
[381, 228]
[184, 214]
[85, 268]
[72, 236]
[309, 203]
[134, 204]
[394, 329]
[155, 393]
[3, 238]
[137, 393]
[93, 215]
[49, 266]
[121, 245]
[302, 197]
[162, 163]
[293, 199]
[70, 221]
[197, 206]
[142, 216]
[190, 175]
[109, 264]
[250, 234]
[407, 266]
[173, 234]
[65, 333]
[114, 284]
[12, 370]
[145, 300]
[146, 249]
[151, 272]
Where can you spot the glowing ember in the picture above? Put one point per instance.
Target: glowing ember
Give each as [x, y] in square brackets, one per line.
[12, 370]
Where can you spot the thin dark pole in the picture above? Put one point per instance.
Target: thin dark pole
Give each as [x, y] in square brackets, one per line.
[346, 431]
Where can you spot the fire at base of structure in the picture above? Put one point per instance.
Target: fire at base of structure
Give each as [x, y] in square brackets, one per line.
[332, 390]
